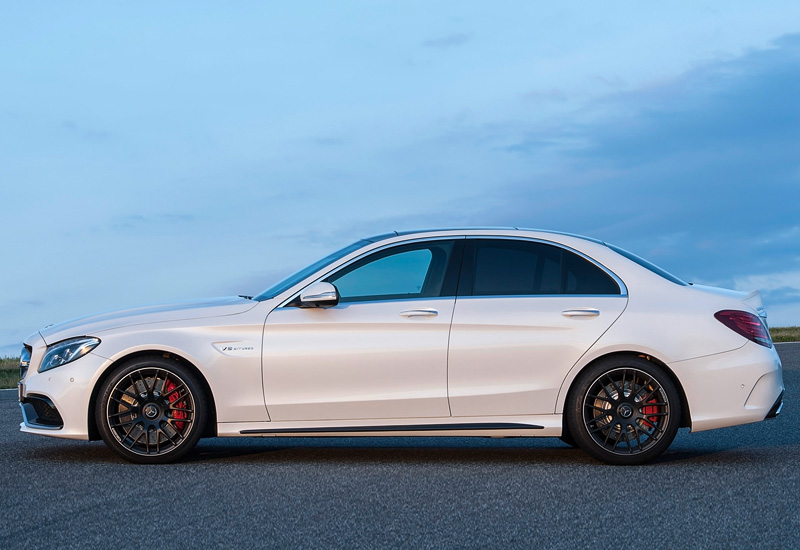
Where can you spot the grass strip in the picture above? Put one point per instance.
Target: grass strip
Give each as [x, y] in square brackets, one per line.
[9, 377]
[785, 334]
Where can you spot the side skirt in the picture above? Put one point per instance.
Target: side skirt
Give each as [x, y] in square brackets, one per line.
[405, 429]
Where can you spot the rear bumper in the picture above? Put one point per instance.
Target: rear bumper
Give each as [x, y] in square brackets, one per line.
[736, 387]
[776, 408]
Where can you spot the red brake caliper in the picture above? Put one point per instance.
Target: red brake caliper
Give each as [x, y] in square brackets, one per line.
[182, 405]
[651, 409]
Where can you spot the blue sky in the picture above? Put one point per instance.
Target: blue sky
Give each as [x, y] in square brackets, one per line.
[153, 153]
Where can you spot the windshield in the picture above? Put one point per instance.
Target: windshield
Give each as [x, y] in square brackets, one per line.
[295, 278]
[647, 265]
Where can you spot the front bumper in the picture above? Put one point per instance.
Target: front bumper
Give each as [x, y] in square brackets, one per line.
[56, 402]
[39, 412]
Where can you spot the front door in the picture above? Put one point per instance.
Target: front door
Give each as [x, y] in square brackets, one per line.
[380, 353]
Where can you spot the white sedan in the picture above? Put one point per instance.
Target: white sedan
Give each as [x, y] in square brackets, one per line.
[502, 333]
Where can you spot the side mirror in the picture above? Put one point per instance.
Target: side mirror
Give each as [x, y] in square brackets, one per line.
[319, 295]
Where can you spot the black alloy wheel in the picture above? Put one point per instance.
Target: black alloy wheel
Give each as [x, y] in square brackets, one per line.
[624, 411]
[151, 410]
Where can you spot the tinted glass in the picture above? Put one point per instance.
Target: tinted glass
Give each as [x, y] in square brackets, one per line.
[402, 272]
[515, 267]
[511, 267]
[583, 277]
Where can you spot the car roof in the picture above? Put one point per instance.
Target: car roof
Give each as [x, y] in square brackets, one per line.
[384, 236]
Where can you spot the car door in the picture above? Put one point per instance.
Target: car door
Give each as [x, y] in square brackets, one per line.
[380, 353]
[526, 312]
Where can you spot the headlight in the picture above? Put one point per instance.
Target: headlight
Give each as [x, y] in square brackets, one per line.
[24, 361]
[67, 351]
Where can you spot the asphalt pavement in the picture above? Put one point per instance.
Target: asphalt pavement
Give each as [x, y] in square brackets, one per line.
[735, 487]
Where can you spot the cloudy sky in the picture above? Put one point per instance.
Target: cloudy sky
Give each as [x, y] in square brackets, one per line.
[153, 152]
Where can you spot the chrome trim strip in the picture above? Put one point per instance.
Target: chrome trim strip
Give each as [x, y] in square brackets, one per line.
[581, 312]
[322, 296]
[622, 286]
[421, 312]
[398, 300]
[485, 296]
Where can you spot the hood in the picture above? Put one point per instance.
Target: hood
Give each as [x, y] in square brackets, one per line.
[195, 309]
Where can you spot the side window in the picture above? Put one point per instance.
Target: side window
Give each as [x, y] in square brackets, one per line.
[507, 267]
[513, 267]
[583, 277]
[402, 272]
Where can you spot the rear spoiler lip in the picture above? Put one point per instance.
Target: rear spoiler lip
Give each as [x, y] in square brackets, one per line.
[752, 294]
[749, 300]
[753, 299]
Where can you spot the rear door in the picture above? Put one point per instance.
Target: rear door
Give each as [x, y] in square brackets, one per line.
[526, 312]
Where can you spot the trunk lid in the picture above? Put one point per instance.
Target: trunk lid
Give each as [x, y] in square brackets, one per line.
[751, 300]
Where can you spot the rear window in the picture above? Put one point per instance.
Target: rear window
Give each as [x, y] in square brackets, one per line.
[647, 265]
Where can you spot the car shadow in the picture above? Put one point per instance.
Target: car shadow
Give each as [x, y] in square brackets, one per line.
[383, 452]
[400, 451]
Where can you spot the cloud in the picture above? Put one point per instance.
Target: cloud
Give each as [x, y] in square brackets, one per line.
[328, 141]
[700, 173]
[553, 94]
[783, 295]
[450, 41]
[30, 302]
[139, 222]
[781, 287]
[87, 134]
[10, 350]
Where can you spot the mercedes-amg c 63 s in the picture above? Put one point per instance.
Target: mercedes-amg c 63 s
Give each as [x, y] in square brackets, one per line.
[510, 333]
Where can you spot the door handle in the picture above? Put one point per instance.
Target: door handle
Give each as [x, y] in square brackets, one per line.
[581, 312]
[422, 312]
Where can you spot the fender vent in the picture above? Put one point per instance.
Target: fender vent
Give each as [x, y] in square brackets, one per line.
[39, 412]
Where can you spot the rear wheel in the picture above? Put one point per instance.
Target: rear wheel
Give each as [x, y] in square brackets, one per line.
[624, 411]
[151, 410]
[567, 438]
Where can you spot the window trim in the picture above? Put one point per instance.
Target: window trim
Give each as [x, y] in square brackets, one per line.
[434, 265]
[648, 265]
[452, 274]
[467, 269]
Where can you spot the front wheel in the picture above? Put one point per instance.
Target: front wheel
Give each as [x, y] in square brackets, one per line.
[151, 410]
[624, 411]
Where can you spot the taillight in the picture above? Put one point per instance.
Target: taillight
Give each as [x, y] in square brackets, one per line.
[746, 324]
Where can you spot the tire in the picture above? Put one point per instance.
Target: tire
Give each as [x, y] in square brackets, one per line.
[624, 410]
[566, 438]
[151, 410]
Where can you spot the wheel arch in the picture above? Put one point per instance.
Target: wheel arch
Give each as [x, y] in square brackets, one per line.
[211, 425]
[576, 374]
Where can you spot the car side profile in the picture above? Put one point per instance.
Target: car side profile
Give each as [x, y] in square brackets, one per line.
[474, 332]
